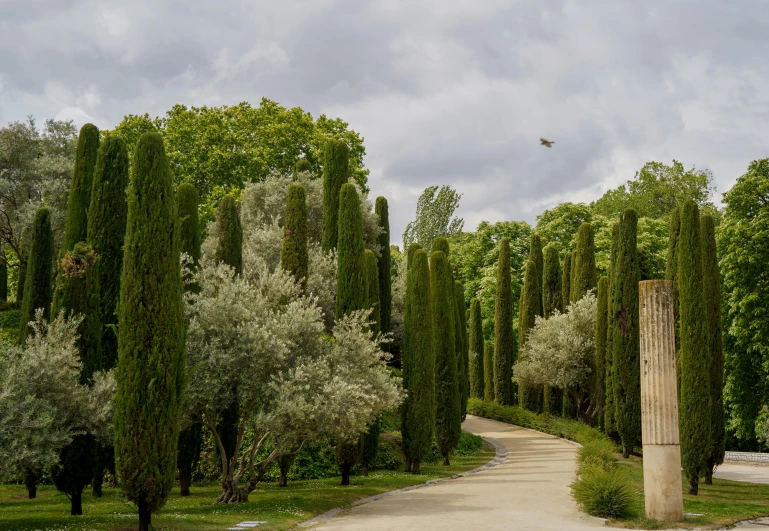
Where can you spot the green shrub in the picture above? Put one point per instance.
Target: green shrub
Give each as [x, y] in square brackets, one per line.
[604, 493]
[468, 444]
[597, 453]
[10, 319]
[558, 426]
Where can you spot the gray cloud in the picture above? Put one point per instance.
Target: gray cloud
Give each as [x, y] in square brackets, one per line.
[445, 92]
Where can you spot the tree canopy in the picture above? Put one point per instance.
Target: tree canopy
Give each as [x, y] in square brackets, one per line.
[434, 217]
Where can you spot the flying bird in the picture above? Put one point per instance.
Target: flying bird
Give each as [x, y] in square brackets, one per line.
[548, 143]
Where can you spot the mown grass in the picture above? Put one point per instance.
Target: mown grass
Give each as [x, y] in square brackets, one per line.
[722, 504]
[281, 508]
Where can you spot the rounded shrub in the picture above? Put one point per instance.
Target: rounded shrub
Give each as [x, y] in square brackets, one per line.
[603, 493]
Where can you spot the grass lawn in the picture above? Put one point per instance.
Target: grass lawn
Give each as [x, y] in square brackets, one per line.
[281, 508]
[721, 504]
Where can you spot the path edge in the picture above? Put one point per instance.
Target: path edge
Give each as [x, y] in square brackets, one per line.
[499, 458]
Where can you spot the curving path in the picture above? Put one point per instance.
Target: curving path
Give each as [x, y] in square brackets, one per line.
[529, 491]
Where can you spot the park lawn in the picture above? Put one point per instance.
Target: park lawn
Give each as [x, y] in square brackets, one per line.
[281, 508]
[722, 504]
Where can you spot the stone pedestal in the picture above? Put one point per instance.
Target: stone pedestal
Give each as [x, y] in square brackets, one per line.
[659, 403]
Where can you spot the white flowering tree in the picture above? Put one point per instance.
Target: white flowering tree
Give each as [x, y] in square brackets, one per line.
[43, 405]
[257, 336]
[560, 352]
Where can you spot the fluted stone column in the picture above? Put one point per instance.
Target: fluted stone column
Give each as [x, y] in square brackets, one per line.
[659, 403]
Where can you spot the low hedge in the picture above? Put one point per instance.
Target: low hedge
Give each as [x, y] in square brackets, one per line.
[558, 426]
[10, 319]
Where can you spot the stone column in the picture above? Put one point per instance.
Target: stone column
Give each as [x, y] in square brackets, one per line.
[659, 403]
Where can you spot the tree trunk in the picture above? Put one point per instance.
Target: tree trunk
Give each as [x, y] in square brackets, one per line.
[76, 503]
[709, 476]
[364, 472]
[30, 481]
[145, 516]
[284, 464]
[446, 459]
[346, 474]
[184, 481]
[407, 466]
[97, 482]
[625, 452]
[415, 467]
[693, 485]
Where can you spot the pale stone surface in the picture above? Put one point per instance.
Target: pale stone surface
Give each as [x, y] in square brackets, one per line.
[746, 473]
[529, 491]
[659, 403]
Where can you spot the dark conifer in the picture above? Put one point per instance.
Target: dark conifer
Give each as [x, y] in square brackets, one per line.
[229, 248]
[336, 169]
[566, 280]
[79, 199]
[610, 405]
[37, 281]
[190, 438]
[583, 262]
[551, 282]
[372, 291]
[503, 328]
[441, 244]
[418, 416]
[712, 291]
[293, 256]
[625, 335]
[385, 278]
[3, 276]
[694, 359]
[351, 273]
[477, 383]
[370, 445]
[106, 233]
[151, 343]
[602, 315]
[530, 397]
[488, 371]
[463, 352]
[301, 165]
[671, 273]
[447, 398]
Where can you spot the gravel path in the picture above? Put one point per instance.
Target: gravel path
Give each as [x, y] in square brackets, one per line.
[528, 491]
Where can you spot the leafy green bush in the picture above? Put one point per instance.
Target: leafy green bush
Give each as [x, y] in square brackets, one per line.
[7, 305]
[598, 453]
[10, 319]
[468, 444]
[604, 493]
[558, 426]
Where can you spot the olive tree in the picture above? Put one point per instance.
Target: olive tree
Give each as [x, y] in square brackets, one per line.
[560, 352]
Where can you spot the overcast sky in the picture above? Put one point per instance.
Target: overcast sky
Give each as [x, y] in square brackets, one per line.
[451, 92]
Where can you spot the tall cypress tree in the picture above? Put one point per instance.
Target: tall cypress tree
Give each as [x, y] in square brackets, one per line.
[694, 358]
[189, 226]
[293, 256]
[78, 288]
[530, 397]
[191, 437]
[463, 353]
[419, 363]
[350, 292]
[3, 276]
[229, 248]
[151, 333]
[503, 328]
[625, 335]
[488, 371]
[477, 375]
[79, 199]
[551, 282]
[37, 281]
[229, 251]
[671, 273]
[106, 232]
[448, 426]
[566, 280]
[583, 262]
[372, 290]
[23, 262]
[537, 256]
[385, 264]
[351, 275]
[601, 320]
[712, 293]
[336, 170]
[301, 165]
[610, 406]
[370, 445]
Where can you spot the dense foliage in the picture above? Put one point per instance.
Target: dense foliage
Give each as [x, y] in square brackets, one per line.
[503, 329]
[37, 281]
[79, 199]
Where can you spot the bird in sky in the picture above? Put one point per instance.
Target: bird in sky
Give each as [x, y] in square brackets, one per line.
[548, 143]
